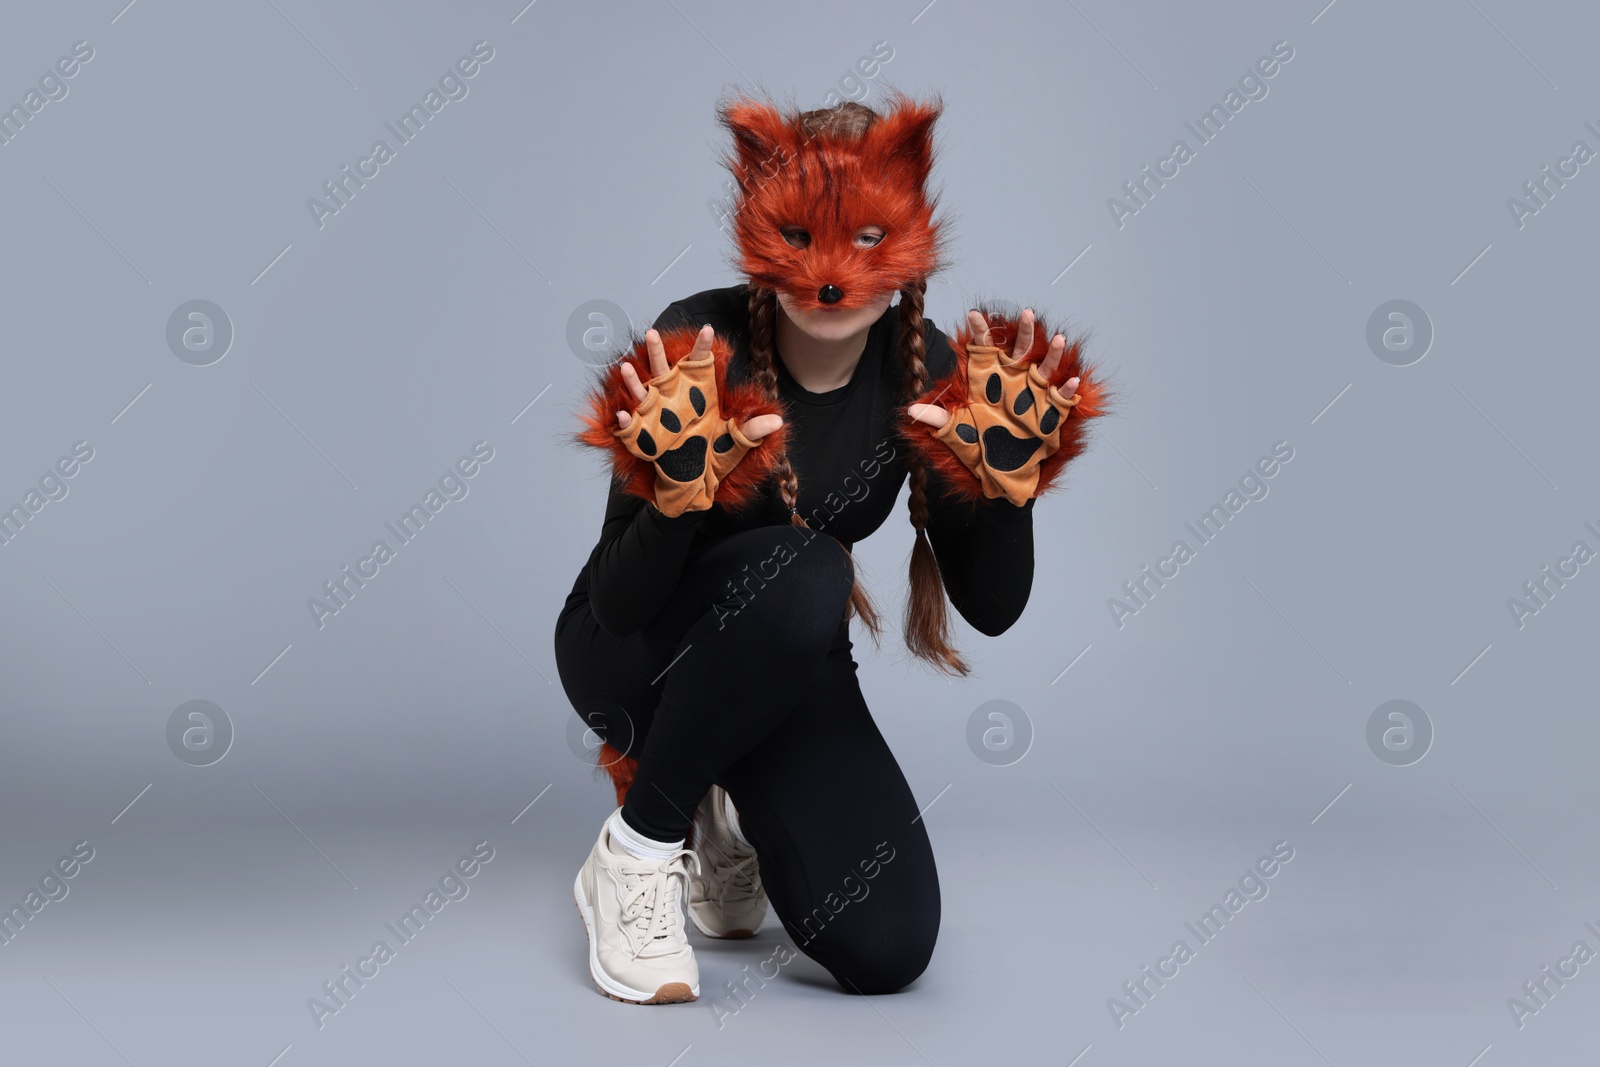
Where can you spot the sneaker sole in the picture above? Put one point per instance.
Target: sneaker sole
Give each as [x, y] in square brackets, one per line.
[668, 993]
[729, 935]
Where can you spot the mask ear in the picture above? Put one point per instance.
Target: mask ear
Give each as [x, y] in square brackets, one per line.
[760, 137]
[903, 139]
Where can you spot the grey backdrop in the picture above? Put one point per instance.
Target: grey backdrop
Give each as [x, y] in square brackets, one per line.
[1169, 749]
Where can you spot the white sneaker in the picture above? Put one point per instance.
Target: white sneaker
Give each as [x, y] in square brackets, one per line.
[633, 910]
[725, 895]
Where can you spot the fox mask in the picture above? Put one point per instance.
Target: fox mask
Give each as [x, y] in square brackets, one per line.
[830, 185]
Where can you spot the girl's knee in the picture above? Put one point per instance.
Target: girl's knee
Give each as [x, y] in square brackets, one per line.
[875, 949]
[799, 576]
[893, 957]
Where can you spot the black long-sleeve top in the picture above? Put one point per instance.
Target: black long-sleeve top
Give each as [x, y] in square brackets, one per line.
[850, 461]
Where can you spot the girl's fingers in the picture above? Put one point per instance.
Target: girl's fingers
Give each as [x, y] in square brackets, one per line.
[702, 343]
[760, 426]
[1024, 334]
[979, 327]
[630, 378]
[930, 414]
[1052, 358]
[658, 354]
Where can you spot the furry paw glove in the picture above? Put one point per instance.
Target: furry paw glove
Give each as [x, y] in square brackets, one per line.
[682, 448]
[1010, 430]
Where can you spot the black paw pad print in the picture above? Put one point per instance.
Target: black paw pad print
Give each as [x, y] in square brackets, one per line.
[679, 427]
[1011, 422]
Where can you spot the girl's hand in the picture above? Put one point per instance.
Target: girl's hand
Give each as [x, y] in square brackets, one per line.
[755, 429]
[936, 416]
[677, 424]
[1010, 421]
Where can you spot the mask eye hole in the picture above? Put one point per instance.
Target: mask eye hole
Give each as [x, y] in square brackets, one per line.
[869, 237]
[796, 236]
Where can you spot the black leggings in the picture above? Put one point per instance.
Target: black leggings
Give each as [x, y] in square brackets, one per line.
[746, 680]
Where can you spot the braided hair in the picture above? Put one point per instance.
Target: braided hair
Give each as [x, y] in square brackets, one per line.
[927, 616]
[763, 315]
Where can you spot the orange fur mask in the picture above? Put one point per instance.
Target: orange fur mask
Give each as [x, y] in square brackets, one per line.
[832, 185]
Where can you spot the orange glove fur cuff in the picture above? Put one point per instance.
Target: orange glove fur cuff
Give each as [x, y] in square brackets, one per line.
[1011, 430]
[681, 450]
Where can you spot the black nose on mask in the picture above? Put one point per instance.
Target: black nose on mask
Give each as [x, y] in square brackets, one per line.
[830, 294]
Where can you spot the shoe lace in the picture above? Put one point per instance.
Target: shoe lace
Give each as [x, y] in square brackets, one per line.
[739, 874]
[652, 900]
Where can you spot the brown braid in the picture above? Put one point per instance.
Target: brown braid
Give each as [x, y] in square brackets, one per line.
[927, 626]
[927, 619]
[763, 313]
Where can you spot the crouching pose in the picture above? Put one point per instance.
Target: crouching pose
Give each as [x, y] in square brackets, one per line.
[755, 435]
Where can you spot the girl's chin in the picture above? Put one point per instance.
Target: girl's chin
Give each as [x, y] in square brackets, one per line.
[838, 324]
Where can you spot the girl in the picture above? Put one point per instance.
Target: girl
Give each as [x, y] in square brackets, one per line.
[756, 434]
